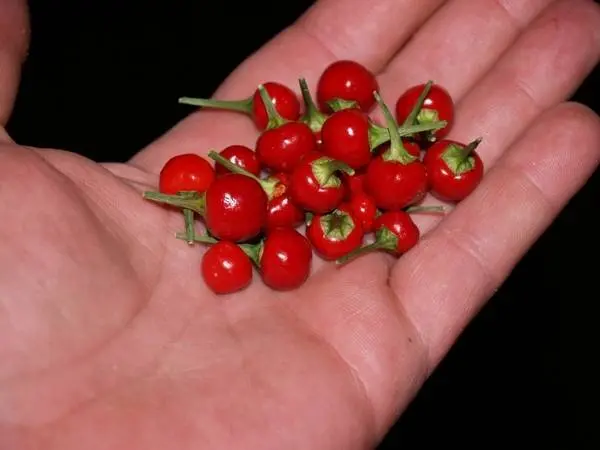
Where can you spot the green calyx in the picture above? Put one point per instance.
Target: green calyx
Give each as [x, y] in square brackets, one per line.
[324, 170]
[458, 158]
[384, 240]
[254, 251]
[427, 116]
[275, 119]
[312, 116]
[269, 185]
[338, 104]
[184, 200]
[337, 225]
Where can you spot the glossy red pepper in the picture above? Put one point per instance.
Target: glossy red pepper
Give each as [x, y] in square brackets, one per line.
[396, 178]
[346, 80]
[335, 234]
[315, 185]
[234, 207]
[364, 210]
[282, 212]
[436, 105]
[241, 156]
[285, 259]
[226, 268]
[454, 169]
[283, 144]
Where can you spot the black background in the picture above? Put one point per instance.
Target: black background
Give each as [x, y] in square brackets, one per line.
[102, 79]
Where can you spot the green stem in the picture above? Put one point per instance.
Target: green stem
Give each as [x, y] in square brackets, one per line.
[275, 119]
[196, 204]
[377, 245]
[188, 216]
[396, 152]
[204, 239]
[312, 116]
[412, 117]
[243, 106]
[379, 135]
[470, 148]
[268, 184]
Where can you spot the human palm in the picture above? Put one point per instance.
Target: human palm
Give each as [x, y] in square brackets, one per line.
[110, 340]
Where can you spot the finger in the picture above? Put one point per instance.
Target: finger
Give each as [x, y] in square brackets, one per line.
[448, 277]
[14, 38]
[368, 32]
[565, 39]
[459, 44]
[543, 69]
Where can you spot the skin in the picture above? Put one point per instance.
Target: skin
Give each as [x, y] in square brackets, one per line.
[105, 321]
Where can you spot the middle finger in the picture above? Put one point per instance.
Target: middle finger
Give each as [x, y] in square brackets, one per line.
[459, 44]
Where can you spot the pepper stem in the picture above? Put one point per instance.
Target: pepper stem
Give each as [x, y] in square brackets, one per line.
[396, 152]
[275, 119]
[202, 238]
[312, 116]
[380, 135]
[470, 148]
[385, 239]
[192, 201]
[243, 106]
[412, 117]
[268, 184]
[188, 216]
[377, 245]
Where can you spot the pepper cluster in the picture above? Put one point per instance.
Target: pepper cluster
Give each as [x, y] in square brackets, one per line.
[330, 168]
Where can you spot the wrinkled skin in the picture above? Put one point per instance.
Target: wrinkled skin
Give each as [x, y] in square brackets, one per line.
[109, 338]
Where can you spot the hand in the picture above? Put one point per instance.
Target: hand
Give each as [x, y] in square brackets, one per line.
[109, 338]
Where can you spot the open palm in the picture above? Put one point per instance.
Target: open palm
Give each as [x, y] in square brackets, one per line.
[109, 338]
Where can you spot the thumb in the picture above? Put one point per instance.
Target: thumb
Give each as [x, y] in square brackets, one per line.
[14, 41]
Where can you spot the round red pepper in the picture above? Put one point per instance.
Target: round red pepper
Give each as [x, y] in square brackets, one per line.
[335, 234]
[436, 105]
[314, 185]
[346, 80]
[454, 169]
[241, 156]
[285, 259]
[396, 178]
[226, 268]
